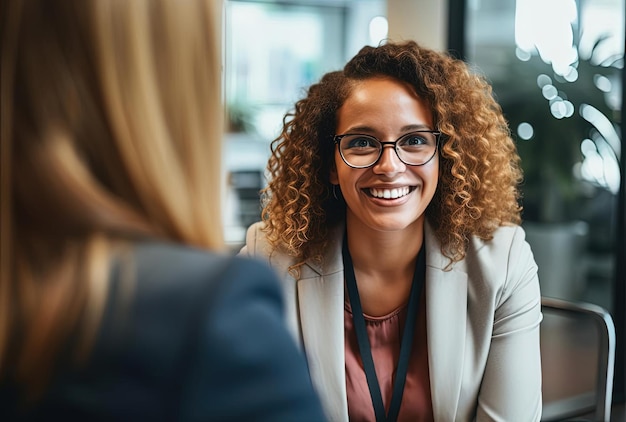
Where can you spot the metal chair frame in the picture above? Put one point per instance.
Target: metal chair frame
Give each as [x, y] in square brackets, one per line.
[600, 403]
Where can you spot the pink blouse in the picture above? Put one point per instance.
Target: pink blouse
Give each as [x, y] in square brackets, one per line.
[385, 334]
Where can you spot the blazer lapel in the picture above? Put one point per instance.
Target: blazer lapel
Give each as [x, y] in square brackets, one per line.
[321, 303]
[446, 310]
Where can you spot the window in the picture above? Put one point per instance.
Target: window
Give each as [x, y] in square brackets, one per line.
[557, 69]
[273, 52]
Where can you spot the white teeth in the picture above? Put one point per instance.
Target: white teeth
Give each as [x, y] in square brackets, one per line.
[389, 193]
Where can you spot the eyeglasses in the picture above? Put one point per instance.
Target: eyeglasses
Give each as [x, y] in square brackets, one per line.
[361, 151]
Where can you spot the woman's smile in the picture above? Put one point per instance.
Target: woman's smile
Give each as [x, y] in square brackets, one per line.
[389, 195]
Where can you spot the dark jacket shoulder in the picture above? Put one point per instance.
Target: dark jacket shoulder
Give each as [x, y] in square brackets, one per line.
[187, 335]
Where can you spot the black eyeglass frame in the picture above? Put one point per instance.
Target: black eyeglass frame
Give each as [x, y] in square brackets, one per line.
[337, 139]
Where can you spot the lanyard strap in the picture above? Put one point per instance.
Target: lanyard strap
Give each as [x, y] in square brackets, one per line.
[363, 339]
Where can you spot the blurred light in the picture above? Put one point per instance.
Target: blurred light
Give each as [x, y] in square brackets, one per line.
[378, 30]
[571, 75]
[613, 98]
[555, 100]
[549, 92]
[588, 147]
[525, 131]
[543, 80]
[558, 109]
[600, 165]
[591, 169]
[602, 83]
[600, 20]
[522, 54]
[612, 175]
[547, 28]
[603, 124]
[569, 108]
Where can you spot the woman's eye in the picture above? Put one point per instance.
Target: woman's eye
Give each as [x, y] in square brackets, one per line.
[360, 143]
[415, 140]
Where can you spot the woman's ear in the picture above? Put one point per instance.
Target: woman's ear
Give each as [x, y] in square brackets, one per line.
[334, 178]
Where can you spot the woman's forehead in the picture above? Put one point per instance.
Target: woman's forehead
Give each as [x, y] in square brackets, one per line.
[382, 103]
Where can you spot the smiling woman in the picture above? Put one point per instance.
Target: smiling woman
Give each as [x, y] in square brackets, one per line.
[392, 217]
[372, 190]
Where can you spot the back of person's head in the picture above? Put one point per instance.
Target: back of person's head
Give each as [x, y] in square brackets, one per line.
[110, 128]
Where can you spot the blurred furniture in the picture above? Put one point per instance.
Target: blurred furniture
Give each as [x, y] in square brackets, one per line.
[578, 356]
[559, 249]
[247, 185]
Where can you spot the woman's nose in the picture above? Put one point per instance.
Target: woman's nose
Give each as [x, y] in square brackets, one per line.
[389, 162]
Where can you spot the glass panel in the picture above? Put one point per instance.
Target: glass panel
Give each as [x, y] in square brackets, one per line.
[272, 52]
[556, 68]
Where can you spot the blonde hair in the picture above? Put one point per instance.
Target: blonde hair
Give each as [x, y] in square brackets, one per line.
[111, 131]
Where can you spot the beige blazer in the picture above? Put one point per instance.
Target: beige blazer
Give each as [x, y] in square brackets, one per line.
[483, 319]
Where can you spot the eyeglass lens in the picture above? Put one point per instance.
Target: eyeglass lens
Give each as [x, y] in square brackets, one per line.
[364, 150]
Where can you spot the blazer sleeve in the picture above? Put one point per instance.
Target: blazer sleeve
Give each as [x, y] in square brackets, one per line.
[255, 245]
[511, 386]
[245, 365]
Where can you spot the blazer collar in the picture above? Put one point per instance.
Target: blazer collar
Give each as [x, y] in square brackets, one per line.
[321, 309]
[321, 303]
[446, 315]
[332, 261]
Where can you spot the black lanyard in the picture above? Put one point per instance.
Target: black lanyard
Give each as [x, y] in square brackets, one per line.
[363, 339]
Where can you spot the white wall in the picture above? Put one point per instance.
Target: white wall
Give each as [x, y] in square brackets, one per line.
[424, 21]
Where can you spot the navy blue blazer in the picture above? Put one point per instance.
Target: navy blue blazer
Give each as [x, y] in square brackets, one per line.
[202, 338]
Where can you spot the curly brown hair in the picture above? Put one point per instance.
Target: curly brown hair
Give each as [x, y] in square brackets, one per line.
[479, 170]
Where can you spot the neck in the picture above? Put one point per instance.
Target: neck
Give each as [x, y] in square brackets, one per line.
[384, 264]
[379, 251]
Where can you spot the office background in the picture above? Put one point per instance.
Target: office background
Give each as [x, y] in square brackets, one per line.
[557, 68]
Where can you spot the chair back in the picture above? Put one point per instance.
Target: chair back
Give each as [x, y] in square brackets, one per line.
[578, 358]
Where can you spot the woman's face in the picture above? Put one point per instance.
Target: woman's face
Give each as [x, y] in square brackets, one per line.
[390, 195]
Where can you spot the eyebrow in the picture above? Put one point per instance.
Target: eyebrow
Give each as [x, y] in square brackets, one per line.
[369, 129]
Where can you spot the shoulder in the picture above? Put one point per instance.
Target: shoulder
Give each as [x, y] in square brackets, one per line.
[506, 241]
[228, 342]
[161, 293]
[504, 264]
[256, 241]
[177, 273]
[169, 308]
[257, 246]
